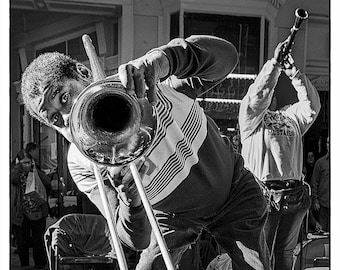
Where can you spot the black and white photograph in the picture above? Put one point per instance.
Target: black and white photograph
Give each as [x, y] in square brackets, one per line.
[170, 134]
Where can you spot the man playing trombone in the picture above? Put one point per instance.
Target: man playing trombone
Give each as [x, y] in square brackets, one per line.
[192, 177]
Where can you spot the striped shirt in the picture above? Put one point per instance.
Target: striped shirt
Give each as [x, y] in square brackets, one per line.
[189, 166]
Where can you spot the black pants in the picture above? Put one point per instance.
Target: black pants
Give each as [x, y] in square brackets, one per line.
[284, 221]
[237, 227]
[323, 217]
[32, 232]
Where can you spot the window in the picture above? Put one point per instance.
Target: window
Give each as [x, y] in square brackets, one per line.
[115, 38]
[73, 47]
[266, 41]
[243, 32]
[174, 27]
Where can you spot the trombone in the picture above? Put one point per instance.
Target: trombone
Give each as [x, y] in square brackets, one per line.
[114, 143]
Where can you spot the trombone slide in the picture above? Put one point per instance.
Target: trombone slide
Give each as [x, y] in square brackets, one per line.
[110, 221]
[153, 222]
[99, 74]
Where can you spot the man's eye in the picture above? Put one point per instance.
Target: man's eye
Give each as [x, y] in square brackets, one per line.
[55, 119]
[64, 98]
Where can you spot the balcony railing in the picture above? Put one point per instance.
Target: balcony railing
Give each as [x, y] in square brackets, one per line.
[223, 101]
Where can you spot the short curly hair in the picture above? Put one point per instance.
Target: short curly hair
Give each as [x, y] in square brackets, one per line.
[43, 73]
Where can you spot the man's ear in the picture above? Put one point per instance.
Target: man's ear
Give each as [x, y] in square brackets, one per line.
[83, 72]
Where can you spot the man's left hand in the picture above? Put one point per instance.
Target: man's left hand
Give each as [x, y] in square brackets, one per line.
[289, 66]
[125, 185]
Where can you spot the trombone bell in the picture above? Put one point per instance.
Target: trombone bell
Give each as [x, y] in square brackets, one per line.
[111, 127]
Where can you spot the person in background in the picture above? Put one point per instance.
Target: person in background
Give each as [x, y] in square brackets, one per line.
[313, 225]
[15, 205]
[31, 216]
[309, 166]
[272, 149]
[20, 155]
[32, 152]
[320, 190]
[18, 175]
[188, 164]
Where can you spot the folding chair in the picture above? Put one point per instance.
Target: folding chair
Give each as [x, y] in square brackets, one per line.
[80, 241]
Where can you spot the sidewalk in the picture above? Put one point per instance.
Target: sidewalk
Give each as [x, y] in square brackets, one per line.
[15, 262]
[14, 258]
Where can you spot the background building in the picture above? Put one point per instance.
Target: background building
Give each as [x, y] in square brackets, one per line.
[125, 29]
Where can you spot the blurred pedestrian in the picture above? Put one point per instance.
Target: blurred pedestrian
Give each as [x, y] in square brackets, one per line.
[309, 166]
[320, 190]
[30, 215]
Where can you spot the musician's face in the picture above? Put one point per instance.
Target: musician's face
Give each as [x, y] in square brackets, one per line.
[56, 104]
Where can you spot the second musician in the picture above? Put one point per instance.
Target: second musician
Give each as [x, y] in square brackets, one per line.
[272, 149]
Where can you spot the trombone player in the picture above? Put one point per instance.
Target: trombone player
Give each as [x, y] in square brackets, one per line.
[193, 178]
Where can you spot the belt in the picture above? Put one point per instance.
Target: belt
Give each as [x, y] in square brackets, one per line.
[282, 184]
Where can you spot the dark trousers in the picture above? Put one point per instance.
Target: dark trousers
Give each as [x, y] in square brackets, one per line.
[323, 218]
[32, 232]
[282, 234]
[237, 227]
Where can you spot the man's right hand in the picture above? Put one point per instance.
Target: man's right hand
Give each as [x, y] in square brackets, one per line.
[278, 53]
[286, 61]
[141, 75]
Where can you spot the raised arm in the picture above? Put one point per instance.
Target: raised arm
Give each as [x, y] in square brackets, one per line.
[198, 61]
[308, 107]
[258, 98]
